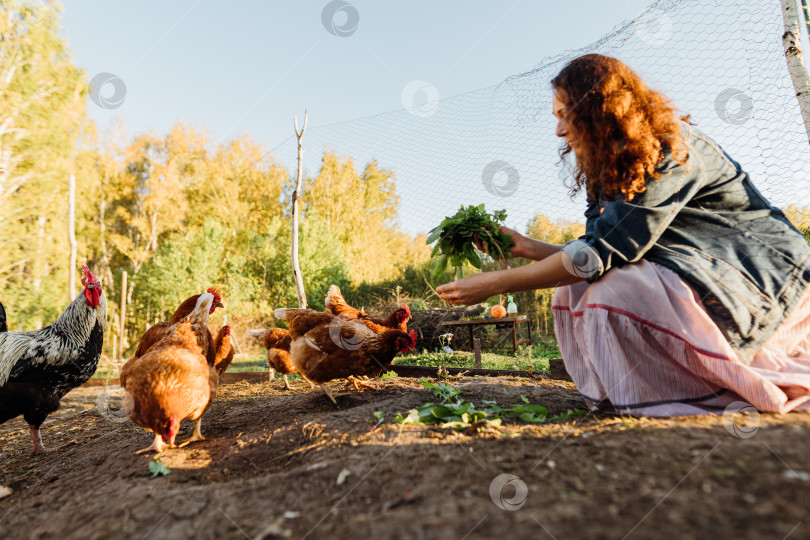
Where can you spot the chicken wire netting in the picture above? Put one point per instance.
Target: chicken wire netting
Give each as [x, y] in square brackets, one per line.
[722, 62]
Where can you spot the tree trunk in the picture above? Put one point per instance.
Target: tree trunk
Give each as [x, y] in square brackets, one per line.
[106, 269]
[37, 271]
[122, 323]
[791, 40]
[72, 237]
[299, 282]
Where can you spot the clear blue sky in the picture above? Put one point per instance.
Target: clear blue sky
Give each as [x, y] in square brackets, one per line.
[242, 66]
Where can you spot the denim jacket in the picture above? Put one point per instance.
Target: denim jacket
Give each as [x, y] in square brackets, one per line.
[706, 221]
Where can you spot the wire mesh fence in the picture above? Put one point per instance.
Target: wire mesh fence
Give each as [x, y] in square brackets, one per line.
[720, 61]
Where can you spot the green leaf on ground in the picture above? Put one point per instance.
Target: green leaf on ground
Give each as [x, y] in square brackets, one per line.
[453, 412]
[158, 468]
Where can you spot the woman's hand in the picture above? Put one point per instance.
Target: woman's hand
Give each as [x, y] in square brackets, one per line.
[469, 290]
[518, 250]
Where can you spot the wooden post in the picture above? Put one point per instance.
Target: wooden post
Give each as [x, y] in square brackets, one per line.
[791, 41]
[72, 237]
[122, 323]
[514, 336]
[299, 282]
[477, 351]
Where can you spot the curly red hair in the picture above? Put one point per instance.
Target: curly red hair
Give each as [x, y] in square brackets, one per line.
[622, 127]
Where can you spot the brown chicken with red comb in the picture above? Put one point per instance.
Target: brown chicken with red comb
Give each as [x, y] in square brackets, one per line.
[336, 305]
[172, 381]
[223, 350]
[326, 347]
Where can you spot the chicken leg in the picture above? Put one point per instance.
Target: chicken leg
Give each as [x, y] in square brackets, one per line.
[158, 446]
[358, 383]
[196, 436]
[328, 393]
[287, 383]
[38, 446]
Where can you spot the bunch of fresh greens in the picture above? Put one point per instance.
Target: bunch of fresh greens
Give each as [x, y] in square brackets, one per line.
[456, 234]
[453, 412]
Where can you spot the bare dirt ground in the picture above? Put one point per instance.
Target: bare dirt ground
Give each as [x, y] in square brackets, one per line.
[281, 464]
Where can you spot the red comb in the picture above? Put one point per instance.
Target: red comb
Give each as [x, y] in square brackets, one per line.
[213, 291]
[407, 309]
[88, 276]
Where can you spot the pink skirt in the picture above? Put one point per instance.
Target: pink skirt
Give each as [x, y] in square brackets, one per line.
[639, 342]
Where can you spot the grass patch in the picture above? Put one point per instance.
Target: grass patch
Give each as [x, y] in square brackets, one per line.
[256, 362]
[462, 359]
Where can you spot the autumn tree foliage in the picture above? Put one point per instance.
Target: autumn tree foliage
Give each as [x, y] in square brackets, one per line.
[360, 208]
[181, 213]
[800, 217]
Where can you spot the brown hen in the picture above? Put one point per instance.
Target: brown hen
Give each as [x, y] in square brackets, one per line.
[326, 348]
[223, 350]
[277, 342]
[172, 381]
[156, 332]
[336, 305]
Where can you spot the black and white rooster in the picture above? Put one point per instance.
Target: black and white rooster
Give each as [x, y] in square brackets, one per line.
[38, 368]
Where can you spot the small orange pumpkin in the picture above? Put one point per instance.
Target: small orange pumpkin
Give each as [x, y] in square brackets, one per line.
[498, 311]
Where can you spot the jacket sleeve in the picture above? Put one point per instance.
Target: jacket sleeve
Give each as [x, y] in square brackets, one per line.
[623, 231]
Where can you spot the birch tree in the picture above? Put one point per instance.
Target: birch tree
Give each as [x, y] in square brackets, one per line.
[42, 117]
